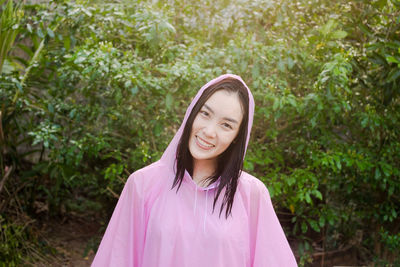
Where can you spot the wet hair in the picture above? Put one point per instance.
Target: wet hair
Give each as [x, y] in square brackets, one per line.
[230, 162]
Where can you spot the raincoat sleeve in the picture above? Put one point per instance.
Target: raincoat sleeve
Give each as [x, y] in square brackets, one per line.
[123, 241]
[269, 246]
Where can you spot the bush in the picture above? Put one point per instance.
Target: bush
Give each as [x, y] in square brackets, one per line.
[97, 90]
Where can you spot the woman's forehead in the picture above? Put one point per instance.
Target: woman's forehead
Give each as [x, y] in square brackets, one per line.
[225, 104]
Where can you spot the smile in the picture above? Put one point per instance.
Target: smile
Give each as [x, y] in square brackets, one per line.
[203, 144]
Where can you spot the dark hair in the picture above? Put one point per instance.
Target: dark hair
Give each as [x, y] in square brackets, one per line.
[230, 162]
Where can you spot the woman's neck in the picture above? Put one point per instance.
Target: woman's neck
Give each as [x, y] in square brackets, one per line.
[202, 169]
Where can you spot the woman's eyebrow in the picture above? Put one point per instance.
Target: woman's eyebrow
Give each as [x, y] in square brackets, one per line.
[225, 118]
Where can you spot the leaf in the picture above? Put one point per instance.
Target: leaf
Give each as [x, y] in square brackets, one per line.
[304, 227]
[134, 90]
[321, 221]
[158, 129]
[168, 26]
[292, 102]
[313, 121]
[318, 194]
[291, 207]
[314, 225]
[326, 29]
[169, 100]
[394, 213]
[29, 27]
[281, 65]
[67, 43]
[338, 164]
[79, 60]
[392, 59]
[50, 33]
[290, 63]
[40, 33]
[377, 173]
[276, 104]
[308, 199]
[364, 122]
[50, 107]
[339, 34]
[72, 113]
[365, 29]
[26, 49]
[393, 75]
[380, 3]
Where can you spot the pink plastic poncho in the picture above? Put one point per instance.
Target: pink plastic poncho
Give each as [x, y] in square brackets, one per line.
[153, 225]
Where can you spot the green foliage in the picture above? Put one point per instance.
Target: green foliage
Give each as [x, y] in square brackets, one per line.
[9, 18]
[101, 87]
[11, 241]
[16, 242]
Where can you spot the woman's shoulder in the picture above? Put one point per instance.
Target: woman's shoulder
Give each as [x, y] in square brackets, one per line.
[149, 176]
[251, 184]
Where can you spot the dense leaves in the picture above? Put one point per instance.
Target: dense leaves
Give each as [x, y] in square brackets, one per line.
[95, 90]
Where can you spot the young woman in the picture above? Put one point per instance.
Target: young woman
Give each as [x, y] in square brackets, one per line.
[195, 206]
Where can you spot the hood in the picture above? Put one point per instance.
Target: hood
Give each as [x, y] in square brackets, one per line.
[169, 155]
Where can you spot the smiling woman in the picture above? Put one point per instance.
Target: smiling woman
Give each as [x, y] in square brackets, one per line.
[153, 225]
[206, 149]
[215, 127]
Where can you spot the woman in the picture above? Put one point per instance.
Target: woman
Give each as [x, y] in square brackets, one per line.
[195, 206]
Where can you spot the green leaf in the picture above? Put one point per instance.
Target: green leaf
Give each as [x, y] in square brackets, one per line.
[393, 75]
[327, 28]
[394, 213]
[50, 33]
[338, 164]
[339, 34]
[79, 59]
[304, 227]
[276, 104]
[392, 59]
[292, 101]
[158, 129]
[290, 63]
[40, 33]
[169, 100]
[134, 90]
[377, 173]
[72, 113]
[308, 198]
[29, 27]
[67, 43]
[314, 225]
[321, 221]
[318, 194]
[26, 49]
[50, 108]
[364, 122]
[365, 29]
[313, 122]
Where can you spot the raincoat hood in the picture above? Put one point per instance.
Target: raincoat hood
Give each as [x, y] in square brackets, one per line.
[170, 153]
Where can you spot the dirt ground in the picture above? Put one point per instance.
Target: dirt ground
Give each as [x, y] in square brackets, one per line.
[73, 241]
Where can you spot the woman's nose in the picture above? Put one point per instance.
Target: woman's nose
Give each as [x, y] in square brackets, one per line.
[209, 130]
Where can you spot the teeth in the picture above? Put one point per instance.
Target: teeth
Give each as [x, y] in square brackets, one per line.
[203, 143]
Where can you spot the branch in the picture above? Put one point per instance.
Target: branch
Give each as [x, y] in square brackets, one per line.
[6, 175]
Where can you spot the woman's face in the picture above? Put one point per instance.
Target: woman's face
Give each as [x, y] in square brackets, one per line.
[215, 126]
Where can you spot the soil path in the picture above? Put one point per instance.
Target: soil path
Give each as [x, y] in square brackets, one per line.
[73, 241]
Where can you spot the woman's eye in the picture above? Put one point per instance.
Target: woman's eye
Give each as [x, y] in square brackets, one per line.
[205, 113]
[226, 125]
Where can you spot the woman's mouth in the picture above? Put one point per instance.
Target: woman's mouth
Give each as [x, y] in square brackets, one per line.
[203, 144]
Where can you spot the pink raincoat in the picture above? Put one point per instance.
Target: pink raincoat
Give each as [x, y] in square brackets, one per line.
[153, 225]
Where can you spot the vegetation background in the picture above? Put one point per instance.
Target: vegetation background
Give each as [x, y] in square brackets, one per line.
[92, 90]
